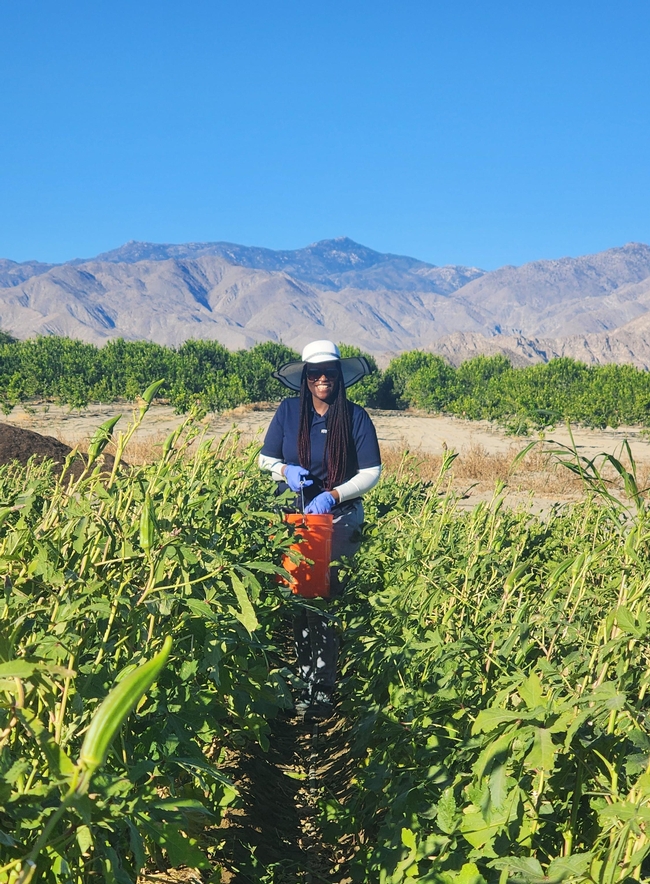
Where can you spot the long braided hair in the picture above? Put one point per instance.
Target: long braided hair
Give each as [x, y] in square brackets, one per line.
[339, 432]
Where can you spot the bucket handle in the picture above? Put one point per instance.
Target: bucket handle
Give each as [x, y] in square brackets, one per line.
[302, 499]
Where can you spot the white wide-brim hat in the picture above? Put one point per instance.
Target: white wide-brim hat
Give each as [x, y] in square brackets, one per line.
[353, 368]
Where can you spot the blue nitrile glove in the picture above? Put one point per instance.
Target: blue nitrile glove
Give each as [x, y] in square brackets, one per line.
[322, 503]
[293, 474]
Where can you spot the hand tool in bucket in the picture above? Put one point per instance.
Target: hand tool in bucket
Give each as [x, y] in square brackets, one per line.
[315, 543]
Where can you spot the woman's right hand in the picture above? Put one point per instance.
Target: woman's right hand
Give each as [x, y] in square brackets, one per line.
[294, 476]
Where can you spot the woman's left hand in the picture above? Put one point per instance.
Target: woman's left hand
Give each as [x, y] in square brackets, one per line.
[321, 504]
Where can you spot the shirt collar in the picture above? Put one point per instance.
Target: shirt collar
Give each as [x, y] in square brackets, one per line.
[315, 415]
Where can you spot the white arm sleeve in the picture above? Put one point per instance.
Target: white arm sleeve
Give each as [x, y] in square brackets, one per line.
[273, 464]
[359, 484]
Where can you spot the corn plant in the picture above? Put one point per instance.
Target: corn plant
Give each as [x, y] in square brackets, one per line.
[496, 676]
[96, 572]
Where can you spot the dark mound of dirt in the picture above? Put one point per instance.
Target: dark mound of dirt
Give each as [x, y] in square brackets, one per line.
[17, 444]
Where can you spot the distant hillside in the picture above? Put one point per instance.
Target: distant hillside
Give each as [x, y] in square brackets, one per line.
[595, 307]
[620, 346]
[12, 273]
[567, 296]
[332, 264]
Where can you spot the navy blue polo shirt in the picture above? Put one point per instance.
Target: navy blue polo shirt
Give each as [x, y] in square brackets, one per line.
[281, 442]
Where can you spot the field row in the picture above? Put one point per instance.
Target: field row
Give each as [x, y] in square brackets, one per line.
[494, 675]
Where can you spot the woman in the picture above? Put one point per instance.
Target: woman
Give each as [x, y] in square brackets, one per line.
[325, 447]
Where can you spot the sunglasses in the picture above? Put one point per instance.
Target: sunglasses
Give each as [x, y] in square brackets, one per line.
[314, 373]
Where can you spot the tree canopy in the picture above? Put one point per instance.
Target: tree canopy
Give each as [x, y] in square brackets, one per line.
[206, 374]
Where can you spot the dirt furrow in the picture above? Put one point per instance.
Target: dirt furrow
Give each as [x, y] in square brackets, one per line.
[272, 835]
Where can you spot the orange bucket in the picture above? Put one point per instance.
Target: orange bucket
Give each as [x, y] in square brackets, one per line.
[315, 531]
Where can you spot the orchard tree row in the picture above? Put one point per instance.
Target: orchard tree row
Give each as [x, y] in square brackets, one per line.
[75, 373]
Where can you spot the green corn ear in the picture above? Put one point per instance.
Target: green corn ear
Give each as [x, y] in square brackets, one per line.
[151, 390]
[148, 395]
[147, 524]
[169, 442]
[101, 439]
[111, 714]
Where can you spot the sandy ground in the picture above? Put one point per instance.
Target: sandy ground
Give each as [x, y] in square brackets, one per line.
[426, 434]
[403, 430]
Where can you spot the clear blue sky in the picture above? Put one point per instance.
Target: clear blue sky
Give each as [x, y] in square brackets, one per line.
[468, 132]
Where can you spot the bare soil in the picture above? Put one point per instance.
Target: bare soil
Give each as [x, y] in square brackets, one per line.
[274, 825]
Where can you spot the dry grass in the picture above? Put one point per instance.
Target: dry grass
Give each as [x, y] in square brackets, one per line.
[538, 472]
[250, 407]
[149, 449]
[139, 451]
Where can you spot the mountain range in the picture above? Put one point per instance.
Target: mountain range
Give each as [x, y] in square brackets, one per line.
[595, 308]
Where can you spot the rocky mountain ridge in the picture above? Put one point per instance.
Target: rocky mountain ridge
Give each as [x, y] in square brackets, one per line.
[595, 307]
[330, 264]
